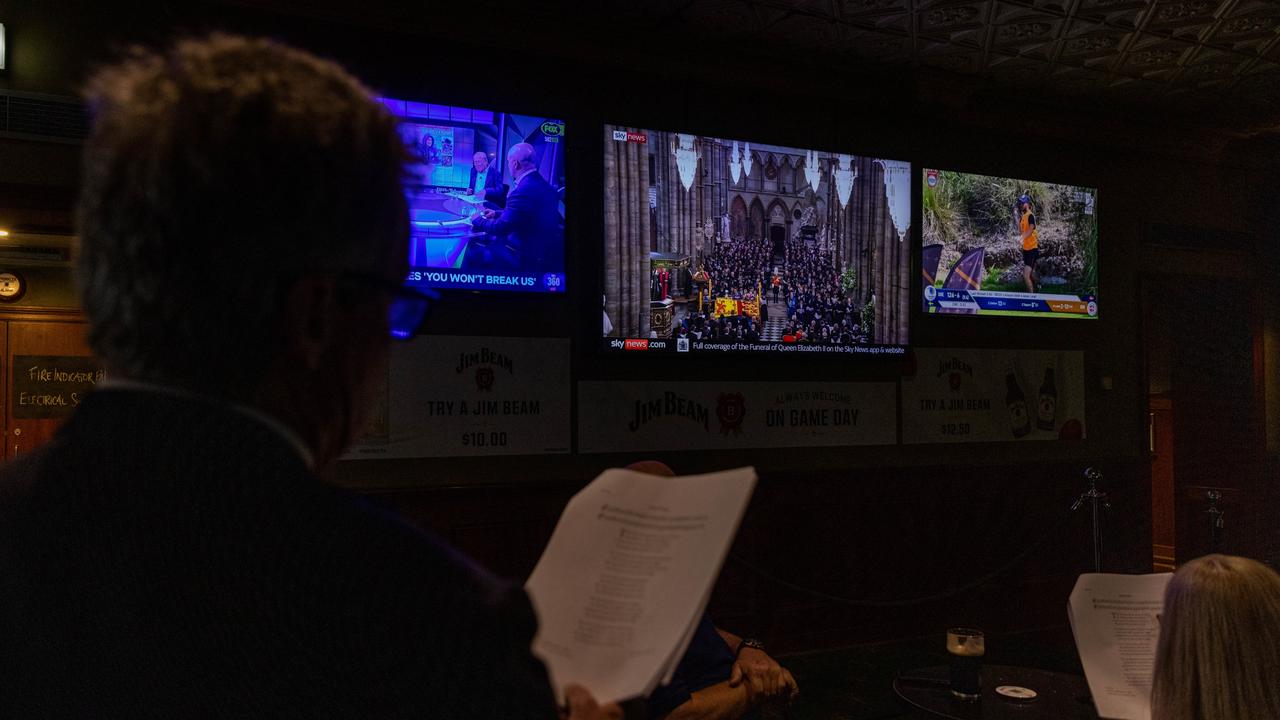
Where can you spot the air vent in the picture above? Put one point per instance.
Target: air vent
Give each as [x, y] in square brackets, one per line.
[47, 255]
[42, 117]
[32, 249]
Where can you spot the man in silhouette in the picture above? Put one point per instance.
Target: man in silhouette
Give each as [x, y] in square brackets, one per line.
[176, 551]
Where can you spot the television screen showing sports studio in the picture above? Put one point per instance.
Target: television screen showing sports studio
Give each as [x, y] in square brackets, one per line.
[999, 246]
[715, 245]
[486, 198]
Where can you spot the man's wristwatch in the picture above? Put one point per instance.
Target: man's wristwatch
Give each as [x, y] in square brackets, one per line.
[748, 643]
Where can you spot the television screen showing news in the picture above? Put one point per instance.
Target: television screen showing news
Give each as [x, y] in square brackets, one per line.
[999, 246]
[486, 198]
[716, 245]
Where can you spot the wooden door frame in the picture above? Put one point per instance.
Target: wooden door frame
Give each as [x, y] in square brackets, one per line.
[1207, 266]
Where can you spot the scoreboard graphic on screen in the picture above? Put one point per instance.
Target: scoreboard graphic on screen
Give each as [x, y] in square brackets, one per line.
[1001, 246]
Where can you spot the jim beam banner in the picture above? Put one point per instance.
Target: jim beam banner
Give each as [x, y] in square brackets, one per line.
[650, 416]
[993, 395]
[449, 396]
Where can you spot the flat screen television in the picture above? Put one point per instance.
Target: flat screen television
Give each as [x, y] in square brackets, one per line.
[714, 245]
[1000, 246]
[486, 198]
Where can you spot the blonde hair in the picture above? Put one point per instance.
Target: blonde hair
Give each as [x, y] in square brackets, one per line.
[1219, 652]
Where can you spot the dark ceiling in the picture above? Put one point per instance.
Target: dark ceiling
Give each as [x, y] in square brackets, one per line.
[1194, 79]
[1184, 53]
[1212, 66]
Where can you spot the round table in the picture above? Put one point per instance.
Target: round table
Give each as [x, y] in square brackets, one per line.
[440, 226]
[1059, 696]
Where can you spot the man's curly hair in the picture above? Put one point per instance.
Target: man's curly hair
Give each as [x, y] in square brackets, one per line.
[216, 172]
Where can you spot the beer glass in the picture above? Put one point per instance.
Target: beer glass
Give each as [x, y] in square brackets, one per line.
[966, 646]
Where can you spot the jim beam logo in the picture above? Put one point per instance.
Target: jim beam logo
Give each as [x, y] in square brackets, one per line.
[955, 369]
[731, 410]
[670, 405]
[484, 360]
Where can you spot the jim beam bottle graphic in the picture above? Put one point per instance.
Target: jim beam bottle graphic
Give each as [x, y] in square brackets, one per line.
[1047, 407]
[1019, 418]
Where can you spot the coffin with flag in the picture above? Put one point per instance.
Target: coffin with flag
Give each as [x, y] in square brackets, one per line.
[726, 307]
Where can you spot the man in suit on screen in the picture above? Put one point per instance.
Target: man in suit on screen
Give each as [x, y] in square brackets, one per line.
[486, 180]
[529, 230]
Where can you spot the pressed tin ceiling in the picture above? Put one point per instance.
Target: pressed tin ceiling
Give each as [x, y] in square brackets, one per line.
[1213, 62]
[1193, 53]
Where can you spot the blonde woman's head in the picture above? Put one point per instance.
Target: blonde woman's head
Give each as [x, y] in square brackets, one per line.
[1219, 651]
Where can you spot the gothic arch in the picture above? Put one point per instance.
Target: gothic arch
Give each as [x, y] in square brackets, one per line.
[756, 223]
[782, 212]
[786, 175]
[737, 218]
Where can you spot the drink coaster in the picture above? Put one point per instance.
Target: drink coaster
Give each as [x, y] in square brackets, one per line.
[1014, 692]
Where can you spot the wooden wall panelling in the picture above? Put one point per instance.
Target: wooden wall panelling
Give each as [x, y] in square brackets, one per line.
[809, 540]
[4, 386]
[30, 425]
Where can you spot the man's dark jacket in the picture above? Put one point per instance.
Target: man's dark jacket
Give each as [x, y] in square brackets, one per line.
[494, 190]
[170, 556]
[531, 222]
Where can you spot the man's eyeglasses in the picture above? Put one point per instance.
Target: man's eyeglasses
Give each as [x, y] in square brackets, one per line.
[409, 307]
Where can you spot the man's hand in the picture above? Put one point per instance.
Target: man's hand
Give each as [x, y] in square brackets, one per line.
[763, 677]
[582, 706]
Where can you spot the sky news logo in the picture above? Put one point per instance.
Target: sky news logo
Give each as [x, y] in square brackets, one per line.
[637, 344]
[624, 136]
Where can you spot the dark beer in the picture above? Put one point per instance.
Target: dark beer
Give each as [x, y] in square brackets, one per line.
[966, 648]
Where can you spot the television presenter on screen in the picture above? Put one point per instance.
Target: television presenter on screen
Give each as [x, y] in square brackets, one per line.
[529, 225]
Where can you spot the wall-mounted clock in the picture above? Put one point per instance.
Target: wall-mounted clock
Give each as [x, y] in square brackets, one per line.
[12, 286]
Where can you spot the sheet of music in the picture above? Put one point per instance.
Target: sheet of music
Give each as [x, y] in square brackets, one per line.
[627, 575]
[1114, 621]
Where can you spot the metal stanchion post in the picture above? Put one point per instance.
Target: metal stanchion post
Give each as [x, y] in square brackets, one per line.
[1215, 519]
[1097, 501]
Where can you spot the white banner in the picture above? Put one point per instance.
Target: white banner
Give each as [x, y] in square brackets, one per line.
[456, 395]
[644, 416]
[961, 395]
